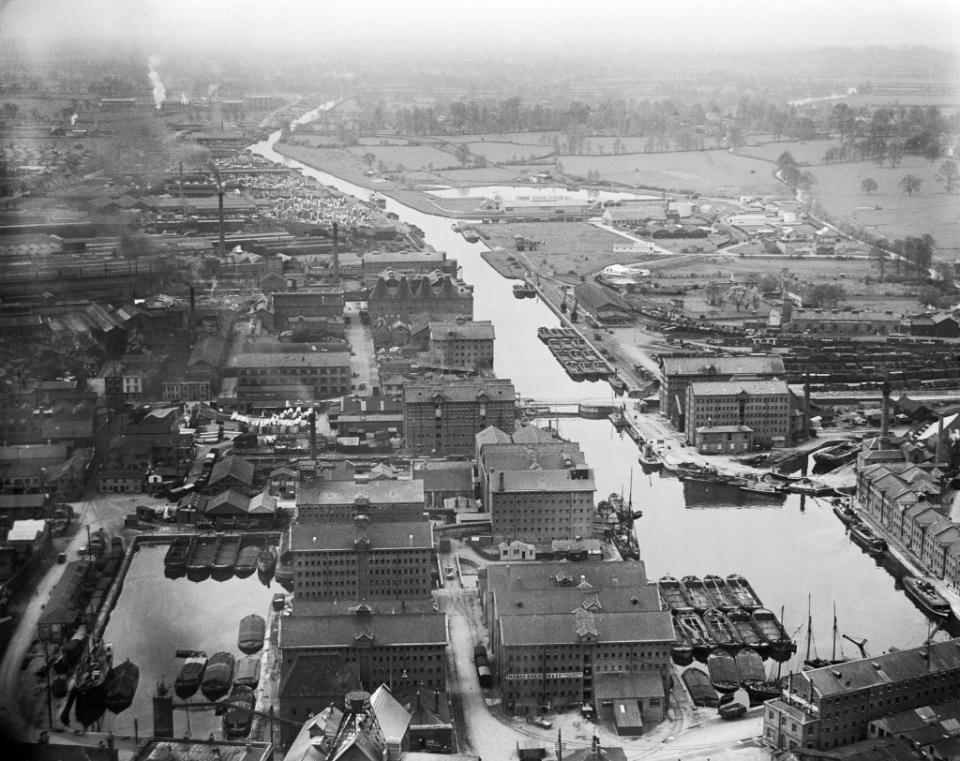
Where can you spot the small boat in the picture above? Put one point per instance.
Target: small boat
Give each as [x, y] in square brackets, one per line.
[649, 459]
[378, 200]
[70, 651]
[529, 290]
[750, 668]
[809, 487]
[724, 599]
[721, 631]
[470, 235]
[248, 672]
[696, 632]
[681, 651]
[816, 662]
[925, 594]
[252, 631]
[217, 676]
[699, 687]
[617, 384]
[743, 592]
[697, 594]
[732, 710]
[267, 559]
[747, 632]
[90, 687]
[204, 553]
[122, 684]
[836, 455]
[246, 560]
[518, 291]
[227, 552]
[864, 536]
[239, 714]
[190, 676]
[846, 514]
[723, 671]
[456, 227]
[756, 486]
[180, 549]
[671, 593]
[770, 628]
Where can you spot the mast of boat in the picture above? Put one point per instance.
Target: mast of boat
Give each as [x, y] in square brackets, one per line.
[833, 653]
[809, 628]
[630, 496]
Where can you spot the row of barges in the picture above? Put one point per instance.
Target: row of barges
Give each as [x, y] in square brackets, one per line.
[575, 355]
[219, 552]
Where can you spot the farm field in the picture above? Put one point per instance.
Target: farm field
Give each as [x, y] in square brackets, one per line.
[500, 153]
[407, 156]
[889, 212]
[714, 172]
[803, 151]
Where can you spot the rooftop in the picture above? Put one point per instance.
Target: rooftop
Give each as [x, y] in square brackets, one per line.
[710, 365]
[341, 536]
[382, 492]
[351, 630]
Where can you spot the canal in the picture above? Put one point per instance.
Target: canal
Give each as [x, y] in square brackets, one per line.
[791, 551]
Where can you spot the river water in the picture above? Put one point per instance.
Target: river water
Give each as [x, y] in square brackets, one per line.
[791, 551]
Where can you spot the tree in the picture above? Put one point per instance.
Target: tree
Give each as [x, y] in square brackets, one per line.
[881, 256]
[824, 295]
[368, 159]
[737, 295]
[786, 159]
[910, 184]
[949, 175]
[714, 294]
[462, 153]
[806, 180]
[869, 185]
[895, 154]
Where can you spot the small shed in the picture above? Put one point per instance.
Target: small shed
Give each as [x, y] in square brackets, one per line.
[627, 718]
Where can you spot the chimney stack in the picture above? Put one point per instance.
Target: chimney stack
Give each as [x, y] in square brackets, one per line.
[885, 412]
[940, 442]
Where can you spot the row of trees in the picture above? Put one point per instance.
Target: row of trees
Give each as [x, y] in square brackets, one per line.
[948, 175]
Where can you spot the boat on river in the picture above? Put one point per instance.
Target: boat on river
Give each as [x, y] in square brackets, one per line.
[762, 488]
[721, 631]
[248, 672]
[246, 560]
[698, 685]
[90, 689]
[770, 628]
[864, 536]
[239, 713]
[180, 549]
[122, 684]
[845, 513]
[671, 593]
[470, 235]
[747, 632]
[750, 670]
[809, 487]
[217, 676]
[204, 553]
[723, 598]
[518, 291]
[836, 455]
[926, 596]
[191, 673]
[697, 593]
[227, 552]
[529, 290]
[743, 592]
[252, 631]
[696, 632]
[649, 458]
[681, 651]
[723, 671]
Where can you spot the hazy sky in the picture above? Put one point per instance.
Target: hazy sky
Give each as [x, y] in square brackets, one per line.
[546, 24]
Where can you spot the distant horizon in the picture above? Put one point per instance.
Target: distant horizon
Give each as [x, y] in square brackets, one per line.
[682, 27]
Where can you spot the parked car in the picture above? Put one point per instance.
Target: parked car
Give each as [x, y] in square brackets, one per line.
[543, 722]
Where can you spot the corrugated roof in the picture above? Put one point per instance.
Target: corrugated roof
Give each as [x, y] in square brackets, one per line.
[392, 717]
[334, 632]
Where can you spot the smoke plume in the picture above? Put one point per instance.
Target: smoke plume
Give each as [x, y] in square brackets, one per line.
[159, 92]
[184, 100]
[73, 120]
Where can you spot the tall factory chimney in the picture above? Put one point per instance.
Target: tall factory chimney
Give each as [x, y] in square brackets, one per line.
[885, 412]
[182, 209]
[193, 312]
[313, 434]
[336, 230]
[806, 406]
[941, 443]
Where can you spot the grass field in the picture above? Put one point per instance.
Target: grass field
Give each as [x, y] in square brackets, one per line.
[706, 172]
[889, 212]
[504, 153]
[804, 152]
[409, 156]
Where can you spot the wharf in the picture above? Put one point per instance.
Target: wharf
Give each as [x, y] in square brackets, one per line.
[910, 562]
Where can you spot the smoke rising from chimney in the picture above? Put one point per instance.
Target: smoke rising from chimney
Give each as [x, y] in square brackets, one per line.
[159, 91]
[184, 100]
[73, 120]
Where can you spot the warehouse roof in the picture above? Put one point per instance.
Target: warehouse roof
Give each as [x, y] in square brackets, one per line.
[710, 365]
[385, 491]
[331, 632]
[341, 536]
[560, 628]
